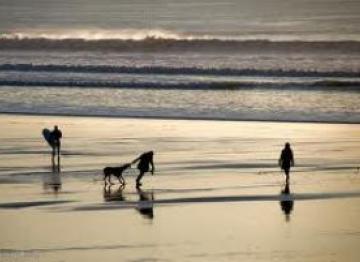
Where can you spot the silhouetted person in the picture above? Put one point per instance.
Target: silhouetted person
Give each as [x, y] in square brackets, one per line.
[56, 136]
[286, 160]
[145, 205]
[286, 202]
[145, 160]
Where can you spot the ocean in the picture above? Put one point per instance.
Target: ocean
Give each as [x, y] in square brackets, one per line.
[234, 60]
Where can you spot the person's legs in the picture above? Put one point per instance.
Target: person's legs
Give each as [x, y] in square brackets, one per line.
[53, 147]
[53, 156]
[56, 151]
[142, 172]
[287, 172]
[53, 161]
[58, 148]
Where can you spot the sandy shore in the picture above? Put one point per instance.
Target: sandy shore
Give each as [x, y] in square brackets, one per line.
[216, 194]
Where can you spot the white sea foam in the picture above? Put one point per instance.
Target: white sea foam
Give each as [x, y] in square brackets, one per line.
[101, 34]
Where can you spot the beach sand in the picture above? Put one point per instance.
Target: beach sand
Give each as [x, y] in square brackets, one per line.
[216, 194]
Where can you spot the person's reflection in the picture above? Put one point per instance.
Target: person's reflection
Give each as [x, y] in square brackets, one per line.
[52, 180]
[145, 205]
[55, 167]
[286, 202]
[113, 195]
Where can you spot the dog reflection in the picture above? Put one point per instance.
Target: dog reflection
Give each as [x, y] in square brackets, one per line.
[145, 205]
[113, 195]
[286, 202]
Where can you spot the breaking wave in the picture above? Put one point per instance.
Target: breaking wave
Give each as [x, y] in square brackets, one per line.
[101, 34]
[175, 43]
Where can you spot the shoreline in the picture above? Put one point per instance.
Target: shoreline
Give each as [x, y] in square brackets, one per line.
[212, 178]
[177, 118]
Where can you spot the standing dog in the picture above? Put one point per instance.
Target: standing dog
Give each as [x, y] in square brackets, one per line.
[115, 171]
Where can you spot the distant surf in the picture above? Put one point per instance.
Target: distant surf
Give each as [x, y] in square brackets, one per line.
[173, 74]
[176, 44]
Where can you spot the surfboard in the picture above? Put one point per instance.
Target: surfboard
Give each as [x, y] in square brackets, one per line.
[47, 136]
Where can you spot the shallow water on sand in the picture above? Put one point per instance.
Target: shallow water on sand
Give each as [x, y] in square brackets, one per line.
[217, 194]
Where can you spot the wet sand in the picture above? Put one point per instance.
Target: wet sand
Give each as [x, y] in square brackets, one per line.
[217, 194]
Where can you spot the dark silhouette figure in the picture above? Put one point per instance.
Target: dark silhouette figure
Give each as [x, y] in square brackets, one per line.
[110, 195]
[56, 136]
[286, 160]
[286, 202]
[115, 171]
[145, 160]
[145, 205]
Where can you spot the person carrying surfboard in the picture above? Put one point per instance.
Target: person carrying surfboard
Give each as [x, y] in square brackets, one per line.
[145, 160]
[286, 160]
[56, 135]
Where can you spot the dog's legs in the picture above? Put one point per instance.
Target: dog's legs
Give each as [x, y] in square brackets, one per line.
[122, 180]
[111, 183]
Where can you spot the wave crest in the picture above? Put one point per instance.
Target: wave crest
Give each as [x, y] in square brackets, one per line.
[103, 34]
[170, 43]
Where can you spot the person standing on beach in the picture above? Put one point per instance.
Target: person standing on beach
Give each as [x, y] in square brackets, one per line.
[145, 160]
[56, 136]
[286, 160]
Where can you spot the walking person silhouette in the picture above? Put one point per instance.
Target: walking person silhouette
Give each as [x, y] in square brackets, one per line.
[53, 138]
[287, 160]
[145, 160]
[56, 136]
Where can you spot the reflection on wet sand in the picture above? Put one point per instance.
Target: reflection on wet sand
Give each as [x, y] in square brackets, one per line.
[286, 201]
[116, 195]
[145, 204]
[52, 180]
